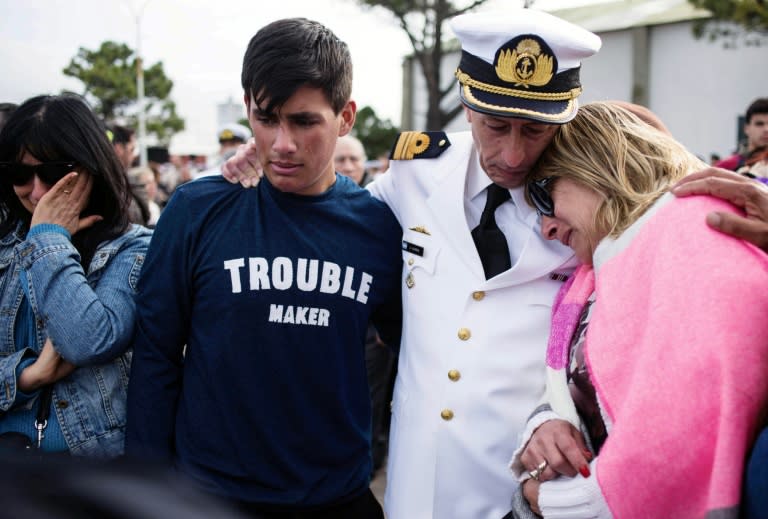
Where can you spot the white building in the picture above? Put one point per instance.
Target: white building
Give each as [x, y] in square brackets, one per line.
[229, 112]
[649, 56]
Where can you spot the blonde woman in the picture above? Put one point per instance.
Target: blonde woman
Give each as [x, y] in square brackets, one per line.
[659, 341]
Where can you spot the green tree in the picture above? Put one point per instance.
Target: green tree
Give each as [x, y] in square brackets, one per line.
[733, 21]
[109, 78]
[377, 135]
[422, 21]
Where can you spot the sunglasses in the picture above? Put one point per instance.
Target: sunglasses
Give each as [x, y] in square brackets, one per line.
[542, 200]
[48, 172]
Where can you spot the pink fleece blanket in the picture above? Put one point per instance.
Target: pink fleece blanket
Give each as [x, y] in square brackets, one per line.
[678, 352]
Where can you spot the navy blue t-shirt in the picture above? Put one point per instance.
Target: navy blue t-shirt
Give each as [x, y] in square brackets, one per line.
[271, 293]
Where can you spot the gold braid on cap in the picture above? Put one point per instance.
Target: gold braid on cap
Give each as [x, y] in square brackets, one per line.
[464, 79]
[559, 118]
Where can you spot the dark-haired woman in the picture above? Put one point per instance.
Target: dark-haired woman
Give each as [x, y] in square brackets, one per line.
[69, 262]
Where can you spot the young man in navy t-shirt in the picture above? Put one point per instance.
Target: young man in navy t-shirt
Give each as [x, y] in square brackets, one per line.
[270, 291]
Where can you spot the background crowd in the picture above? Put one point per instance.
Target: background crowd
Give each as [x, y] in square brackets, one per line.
[536, 312]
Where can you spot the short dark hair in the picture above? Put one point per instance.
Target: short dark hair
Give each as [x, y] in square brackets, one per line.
[120, 134]
[295, 52]
[64, 128]
[758, 106]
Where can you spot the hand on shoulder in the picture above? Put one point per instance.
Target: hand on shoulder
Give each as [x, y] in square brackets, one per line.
[743, 192]
[244, 166]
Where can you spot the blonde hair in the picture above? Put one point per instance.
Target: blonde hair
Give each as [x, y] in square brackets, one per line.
[610, 150]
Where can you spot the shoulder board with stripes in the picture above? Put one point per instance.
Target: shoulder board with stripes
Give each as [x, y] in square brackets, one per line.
[419, 145]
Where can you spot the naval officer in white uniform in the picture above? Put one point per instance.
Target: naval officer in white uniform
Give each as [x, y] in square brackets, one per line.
[478, 279]
[471, 363]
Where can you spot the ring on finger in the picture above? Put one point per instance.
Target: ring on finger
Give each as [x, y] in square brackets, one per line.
[536, 473]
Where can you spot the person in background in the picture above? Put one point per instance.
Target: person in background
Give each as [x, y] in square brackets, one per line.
[70, 263]
[756, 166]
[621, 365]
[230, 136]
[477, 276]
[166, 173]
[378, 166]
[124, 143]
[249, 357]
[182, 168]
[756, 132]
[349, 160]
[383, 164]
[143, 183]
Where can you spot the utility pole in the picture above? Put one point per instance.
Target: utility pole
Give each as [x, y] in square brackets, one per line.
[142, 116]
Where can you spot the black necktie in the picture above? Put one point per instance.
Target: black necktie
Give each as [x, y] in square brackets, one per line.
[489, 240]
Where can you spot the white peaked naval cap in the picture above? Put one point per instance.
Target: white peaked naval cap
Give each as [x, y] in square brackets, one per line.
[522, 63]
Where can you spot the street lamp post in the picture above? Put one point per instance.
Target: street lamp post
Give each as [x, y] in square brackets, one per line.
[140, 97]
[142, 133]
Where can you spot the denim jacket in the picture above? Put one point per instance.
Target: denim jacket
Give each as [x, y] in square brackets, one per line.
[90, 320]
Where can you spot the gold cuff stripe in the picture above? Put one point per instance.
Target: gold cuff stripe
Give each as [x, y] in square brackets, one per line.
[465, 80]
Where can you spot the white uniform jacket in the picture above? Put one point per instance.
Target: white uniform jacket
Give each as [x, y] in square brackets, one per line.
[471, 366]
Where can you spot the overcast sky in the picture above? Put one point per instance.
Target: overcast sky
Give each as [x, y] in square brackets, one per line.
[201, 44]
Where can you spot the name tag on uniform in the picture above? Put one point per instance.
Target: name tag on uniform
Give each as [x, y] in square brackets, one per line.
[413, 248]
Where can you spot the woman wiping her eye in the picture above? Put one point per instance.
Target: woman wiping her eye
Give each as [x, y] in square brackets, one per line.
[69, 262]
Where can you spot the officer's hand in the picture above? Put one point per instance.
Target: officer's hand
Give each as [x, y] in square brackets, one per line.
[243, 166]
[531, 494]
[748, 194]
[562, 446]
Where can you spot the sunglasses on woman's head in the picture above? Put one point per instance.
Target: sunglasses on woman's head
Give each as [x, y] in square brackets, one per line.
[540, 196]
[48, 172]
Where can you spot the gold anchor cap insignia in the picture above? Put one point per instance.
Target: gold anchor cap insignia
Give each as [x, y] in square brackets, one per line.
[526, 61]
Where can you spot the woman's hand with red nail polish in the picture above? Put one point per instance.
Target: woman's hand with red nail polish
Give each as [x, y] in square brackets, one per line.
[561, 445]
